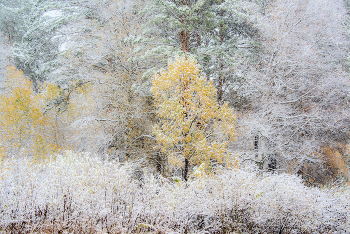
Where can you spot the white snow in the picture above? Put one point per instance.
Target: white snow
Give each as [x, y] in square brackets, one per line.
[53, 13]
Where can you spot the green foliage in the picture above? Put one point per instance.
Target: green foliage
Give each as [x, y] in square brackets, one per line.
[32, 27]
[219, 34]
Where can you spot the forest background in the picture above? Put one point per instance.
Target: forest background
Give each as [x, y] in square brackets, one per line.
[142, 110]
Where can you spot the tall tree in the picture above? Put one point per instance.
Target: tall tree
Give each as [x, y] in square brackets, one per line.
[96, 53]
[216, 32]
[32, 26]
[193, 127]
[11, 18]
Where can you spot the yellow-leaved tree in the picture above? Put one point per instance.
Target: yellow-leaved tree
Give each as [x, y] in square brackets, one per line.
[193, 129]
[24, 125]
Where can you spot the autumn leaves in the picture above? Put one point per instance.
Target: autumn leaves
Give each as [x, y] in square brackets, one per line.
[193, 127]
[24, 126]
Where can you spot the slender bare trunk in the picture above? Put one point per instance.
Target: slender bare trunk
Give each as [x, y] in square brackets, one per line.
[221, 66]
[199, 40]
[185, 170]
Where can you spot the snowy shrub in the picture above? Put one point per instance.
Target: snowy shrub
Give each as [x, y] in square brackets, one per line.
[82, 194]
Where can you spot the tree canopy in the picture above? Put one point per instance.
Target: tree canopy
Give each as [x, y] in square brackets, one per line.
[193, 127]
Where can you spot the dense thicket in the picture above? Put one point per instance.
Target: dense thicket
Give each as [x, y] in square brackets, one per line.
[298, 94]
[78, 193]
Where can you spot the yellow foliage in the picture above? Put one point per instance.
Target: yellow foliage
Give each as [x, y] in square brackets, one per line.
[24, 126]
[192, 124]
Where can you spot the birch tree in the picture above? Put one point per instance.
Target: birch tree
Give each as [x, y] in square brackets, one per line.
[193, 128]
[25, 126]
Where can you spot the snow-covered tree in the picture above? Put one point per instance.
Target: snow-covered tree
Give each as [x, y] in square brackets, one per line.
[299, 101]
[5, 59]
[193, 128]
[26, 127]
[11, 20]
[215, 32]
[96, 53]
[33, 26]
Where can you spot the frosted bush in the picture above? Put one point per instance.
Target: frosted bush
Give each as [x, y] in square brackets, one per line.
[80, 193]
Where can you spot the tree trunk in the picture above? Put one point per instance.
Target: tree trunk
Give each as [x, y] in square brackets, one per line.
[221, 66]
[184, 35]
[220, 85]
[185, 170]
[199, 40]
[185, 38]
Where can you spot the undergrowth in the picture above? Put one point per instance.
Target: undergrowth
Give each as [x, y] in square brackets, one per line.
[78, 193]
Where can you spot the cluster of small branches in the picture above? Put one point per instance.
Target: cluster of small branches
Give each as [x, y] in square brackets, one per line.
[81, 193]
[297, 96]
